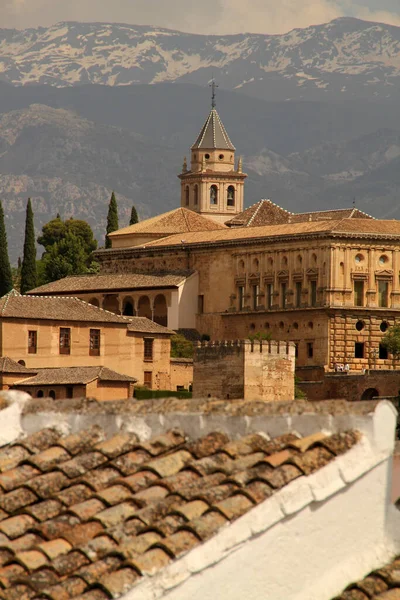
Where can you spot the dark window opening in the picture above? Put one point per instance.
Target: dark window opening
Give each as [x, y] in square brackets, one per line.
[52, 394]
[187, 195]
[241, 296]
[383, 353]
[310, 349]
[200, 304]
[22, 362]
[231, 196]
[32, 342]
[148, 349]
[128, 309]
[148, 379]
[65, 340]
[213, 195]
[196, 194]
[298, 294]
[359, 293]
[40, 394]
[360, 325]
[255, 295]
[94, 342]
[384, 326]
[313, 285]
[359, 350]
[70, 392]
[270, 295]
[383, 293]
[296, 350]
[283, 295]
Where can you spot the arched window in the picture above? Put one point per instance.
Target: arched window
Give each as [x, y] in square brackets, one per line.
[196, 194]
[213, 195]
[231, 196]
[52, 394]
[22, 363]
[128, 310]
[160, 310]
[144, 307]
[187, 195]
[40, 394]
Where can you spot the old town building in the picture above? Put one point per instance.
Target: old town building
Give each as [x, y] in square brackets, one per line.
[327, 280]
[66, 333]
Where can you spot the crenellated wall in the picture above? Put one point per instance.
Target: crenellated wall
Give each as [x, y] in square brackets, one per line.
[253, 370]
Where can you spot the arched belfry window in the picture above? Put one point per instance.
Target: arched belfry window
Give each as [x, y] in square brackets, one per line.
[196, 194]
[213, 195]
[187, 195]
[231, 196]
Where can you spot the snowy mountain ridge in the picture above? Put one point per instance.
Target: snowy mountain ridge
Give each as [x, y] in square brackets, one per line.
[346, 56]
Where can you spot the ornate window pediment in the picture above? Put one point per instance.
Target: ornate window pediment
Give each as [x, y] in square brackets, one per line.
[359, 275]
[269, 278]
[312, 273]
[283, 274]
[298, 275]
[384, 274]
[240, 280]
[254, 277]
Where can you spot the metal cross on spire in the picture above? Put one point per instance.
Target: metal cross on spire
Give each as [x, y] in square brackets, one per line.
[213, 86]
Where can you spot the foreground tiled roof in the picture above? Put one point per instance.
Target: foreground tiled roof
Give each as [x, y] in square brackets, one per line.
[73, 376]
[179, 220]
[100, 283]
[353, 227]
[82, 517]
[55, 309]
[266, 212]
[382, 584]
[8, 365]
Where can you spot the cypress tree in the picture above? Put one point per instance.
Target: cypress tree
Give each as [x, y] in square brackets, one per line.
[6, 282]
[134, 216]
[112, 219]
[28, 270]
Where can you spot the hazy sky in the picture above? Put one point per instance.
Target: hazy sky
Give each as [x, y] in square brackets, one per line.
[206, 16]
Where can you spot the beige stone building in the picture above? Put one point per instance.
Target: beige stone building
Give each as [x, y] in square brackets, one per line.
[327, 280]
[51, 332]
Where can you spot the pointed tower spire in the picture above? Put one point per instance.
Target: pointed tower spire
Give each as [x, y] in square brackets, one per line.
[213, 86]
[240, 165]
[184, 166]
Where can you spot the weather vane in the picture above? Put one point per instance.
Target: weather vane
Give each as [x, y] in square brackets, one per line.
[213, 86]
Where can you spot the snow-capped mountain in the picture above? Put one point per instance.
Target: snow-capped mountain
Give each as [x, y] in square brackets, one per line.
[347, 58]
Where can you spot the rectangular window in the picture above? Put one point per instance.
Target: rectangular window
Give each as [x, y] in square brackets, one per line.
[283, 294]
[270, 295]
[383, 353]
[94, 342]
[148, 379]
[255, 294]
[383, 293]
[298, 294]
[148, 349]
[313, 290]
[200, 304]
[65, 340]
[241, 296]
[32, 342]
[358, 293]
[310, 349]
[358, 349]
[296, 349]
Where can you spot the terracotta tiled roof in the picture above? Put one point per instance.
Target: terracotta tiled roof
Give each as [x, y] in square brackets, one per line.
[179, 220]
[263, 212]
[99, 283]
[144, 325]
[355, 227]
[382, 584]
[54, 308]
[82, 517]
[266, 212]
[73, 376]
[213, 134]
[8, 365]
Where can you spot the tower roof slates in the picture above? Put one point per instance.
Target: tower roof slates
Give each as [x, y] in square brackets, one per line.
[213, 134]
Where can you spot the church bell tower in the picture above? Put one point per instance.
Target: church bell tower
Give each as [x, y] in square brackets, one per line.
[213, 185]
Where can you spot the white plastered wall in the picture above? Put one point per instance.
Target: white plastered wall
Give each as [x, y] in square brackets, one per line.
[307, 542]
[188, 298]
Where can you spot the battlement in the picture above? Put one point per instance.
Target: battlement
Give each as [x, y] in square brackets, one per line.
[249, 369]
[211, 349]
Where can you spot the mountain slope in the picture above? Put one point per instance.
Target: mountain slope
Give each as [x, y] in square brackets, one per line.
[346, 58]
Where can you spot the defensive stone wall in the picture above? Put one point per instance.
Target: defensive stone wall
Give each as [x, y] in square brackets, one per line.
[253, 370]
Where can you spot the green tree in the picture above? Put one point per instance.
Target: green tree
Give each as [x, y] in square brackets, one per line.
[28, 269]
[391, 341]
[112, 219]
[68, 248]
[55, 230]
[134, 217]
[181, 347]
[67, 257]
[6, 280]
